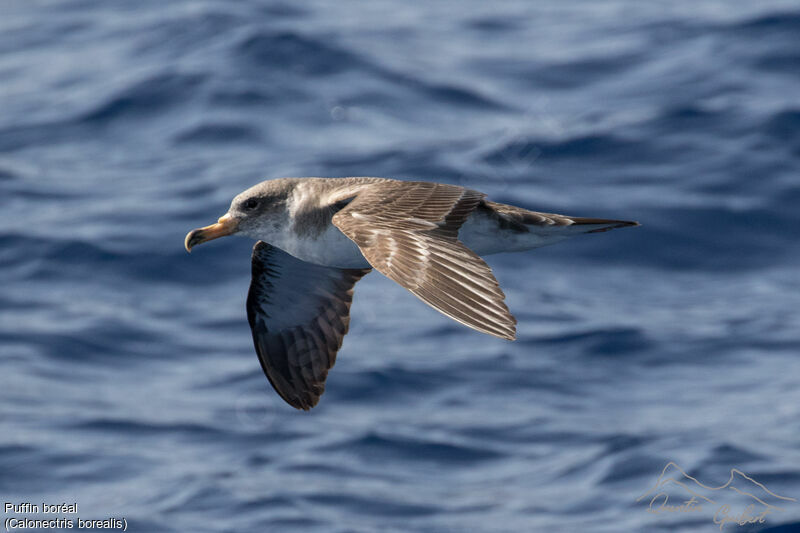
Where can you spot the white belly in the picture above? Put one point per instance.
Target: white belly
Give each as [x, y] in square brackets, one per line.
[483, 236]
[479, 233]
[331, 248]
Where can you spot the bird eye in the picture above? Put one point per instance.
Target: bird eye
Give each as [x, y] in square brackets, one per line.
[250, 203]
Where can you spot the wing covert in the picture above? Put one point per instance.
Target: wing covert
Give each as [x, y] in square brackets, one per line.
[408, 231]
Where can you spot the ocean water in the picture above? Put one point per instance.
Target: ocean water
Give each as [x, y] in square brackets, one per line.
[128, 382]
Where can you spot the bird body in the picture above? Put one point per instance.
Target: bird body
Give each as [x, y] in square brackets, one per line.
[304, 229]
[318, 236]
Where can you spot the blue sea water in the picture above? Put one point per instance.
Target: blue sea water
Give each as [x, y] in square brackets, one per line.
[128, 379]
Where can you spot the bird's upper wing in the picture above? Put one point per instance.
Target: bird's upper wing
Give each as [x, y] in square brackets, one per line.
[299, 313]
[408, 231]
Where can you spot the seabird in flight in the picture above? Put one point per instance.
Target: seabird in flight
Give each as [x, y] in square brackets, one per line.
[318, 236]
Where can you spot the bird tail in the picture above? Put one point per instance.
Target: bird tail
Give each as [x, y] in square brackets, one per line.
[597, 225]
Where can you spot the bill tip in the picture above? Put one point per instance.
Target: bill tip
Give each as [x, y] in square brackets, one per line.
[187, 242]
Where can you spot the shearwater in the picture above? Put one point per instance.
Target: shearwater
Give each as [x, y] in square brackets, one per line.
[318, 236]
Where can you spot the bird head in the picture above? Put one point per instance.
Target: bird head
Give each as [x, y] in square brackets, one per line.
[256, 212]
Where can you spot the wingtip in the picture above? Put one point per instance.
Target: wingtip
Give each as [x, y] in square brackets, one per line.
[300, 403]
[513, 333]
[505, 334]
